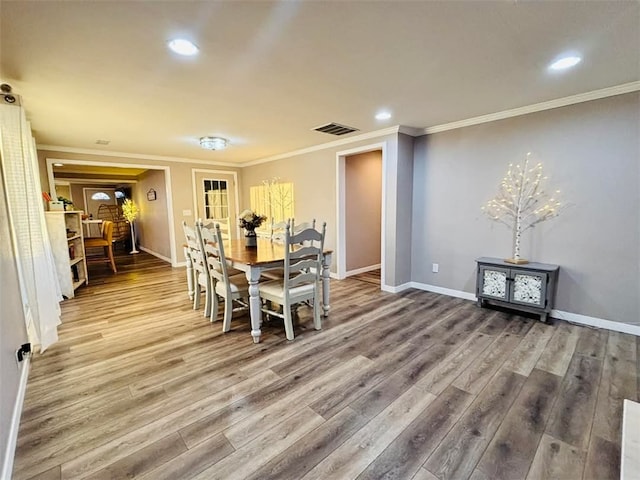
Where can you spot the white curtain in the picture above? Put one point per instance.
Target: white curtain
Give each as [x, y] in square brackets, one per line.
[39, 286]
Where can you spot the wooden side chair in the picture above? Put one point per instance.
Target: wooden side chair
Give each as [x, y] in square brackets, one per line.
[200, 274]
[225, 226]
[277, 235]
[301, 282]
[225, 233]
[106, 242]
[233, 289]
[278, 230]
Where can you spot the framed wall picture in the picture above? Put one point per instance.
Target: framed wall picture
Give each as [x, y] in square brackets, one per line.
[151, 195]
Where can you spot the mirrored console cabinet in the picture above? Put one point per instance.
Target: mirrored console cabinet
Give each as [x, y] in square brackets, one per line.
[527, 287]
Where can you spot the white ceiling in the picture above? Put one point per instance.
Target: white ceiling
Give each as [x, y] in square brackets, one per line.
[268, 72]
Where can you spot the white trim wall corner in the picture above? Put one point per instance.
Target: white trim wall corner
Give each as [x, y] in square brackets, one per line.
[341, 240]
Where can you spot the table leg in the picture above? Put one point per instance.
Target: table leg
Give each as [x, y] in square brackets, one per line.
[253, 275]
[190, 286]
[326, 263]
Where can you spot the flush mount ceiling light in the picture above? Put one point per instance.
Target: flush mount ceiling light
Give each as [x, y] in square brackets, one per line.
[383, 116]
[182, 46]
[565, 62]
[213, 143]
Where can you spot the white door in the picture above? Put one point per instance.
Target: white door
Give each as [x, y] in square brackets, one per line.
[216, 198]
[94, 197]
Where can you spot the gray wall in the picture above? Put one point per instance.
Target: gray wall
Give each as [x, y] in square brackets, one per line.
[590, 151]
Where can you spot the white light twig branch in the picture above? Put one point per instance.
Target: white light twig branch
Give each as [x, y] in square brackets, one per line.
[521, 202]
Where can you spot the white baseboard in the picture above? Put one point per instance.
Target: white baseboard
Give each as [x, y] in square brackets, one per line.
[9, 453]
[358, 271]
[596, 322]
[444, 291]
[559, 314]
[397, 288]
[155, 254]
[629, 461]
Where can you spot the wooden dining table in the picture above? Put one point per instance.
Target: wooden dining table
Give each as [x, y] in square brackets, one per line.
[267, 255]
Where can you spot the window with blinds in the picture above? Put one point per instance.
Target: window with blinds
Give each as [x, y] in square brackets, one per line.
[274, 200]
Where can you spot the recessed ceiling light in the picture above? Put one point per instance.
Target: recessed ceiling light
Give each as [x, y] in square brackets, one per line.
[213, 143]
[182, 46]
[383, 116]
[565, 62]
[58, 164]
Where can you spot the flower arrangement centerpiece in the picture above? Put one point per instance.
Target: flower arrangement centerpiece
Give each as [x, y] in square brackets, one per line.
[250, 220]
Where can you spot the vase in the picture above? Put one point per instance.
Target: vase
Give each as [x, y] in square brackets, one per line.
[250, 239]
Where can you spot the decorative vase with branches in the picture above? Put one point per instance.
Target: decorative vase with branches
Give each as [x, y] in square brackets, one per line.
[130, 211]
[522, 203]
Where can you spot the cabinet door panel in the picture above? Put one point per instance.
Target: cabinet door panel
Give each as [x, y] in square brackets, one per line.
[529, 288]
[494, 282]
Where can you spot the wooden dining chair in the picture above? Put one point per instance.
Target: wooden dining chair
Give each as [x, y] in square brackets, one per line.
[225, 232]
[278, 236]
[106, 242]
[225, 226]
[298, 227]
[232, 289]
[200, 274]
[301, 282]
[278, 230]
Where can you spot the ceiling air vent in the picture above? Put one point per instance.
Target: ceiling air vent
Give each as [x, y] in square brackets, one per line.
[335, 129]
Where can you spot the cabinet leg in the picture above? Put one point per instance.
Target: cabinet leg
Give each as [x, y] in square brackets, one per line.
[544, 318]
[479, 302]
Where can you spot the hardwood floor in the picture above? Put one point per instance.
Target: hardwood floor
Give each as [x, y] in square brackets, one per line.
[408, 386]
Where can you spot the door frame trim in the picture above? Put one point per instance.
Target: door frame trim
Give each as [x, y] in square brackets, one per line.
[194, 189]
[341, 240]
[167, 184]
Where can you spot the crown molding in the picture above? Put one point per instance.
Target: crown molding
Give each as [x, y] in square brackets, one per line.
[412, 131]
[537, 107]
[138, 156]
[323, 146]
[84, 181]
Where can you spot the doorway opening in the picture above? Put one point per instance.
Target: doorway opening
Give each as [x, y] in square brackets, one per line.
[154, 227]
[360, 216]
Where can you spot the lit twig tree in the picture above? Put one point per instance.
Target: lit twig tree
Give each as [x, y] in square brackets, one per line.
[130, 211]
[279, 199]
[522, 203]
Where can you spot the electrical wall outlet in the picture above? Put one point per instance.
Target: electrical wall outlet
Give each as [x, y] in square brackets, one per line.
[186, 213]
[435, 268]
